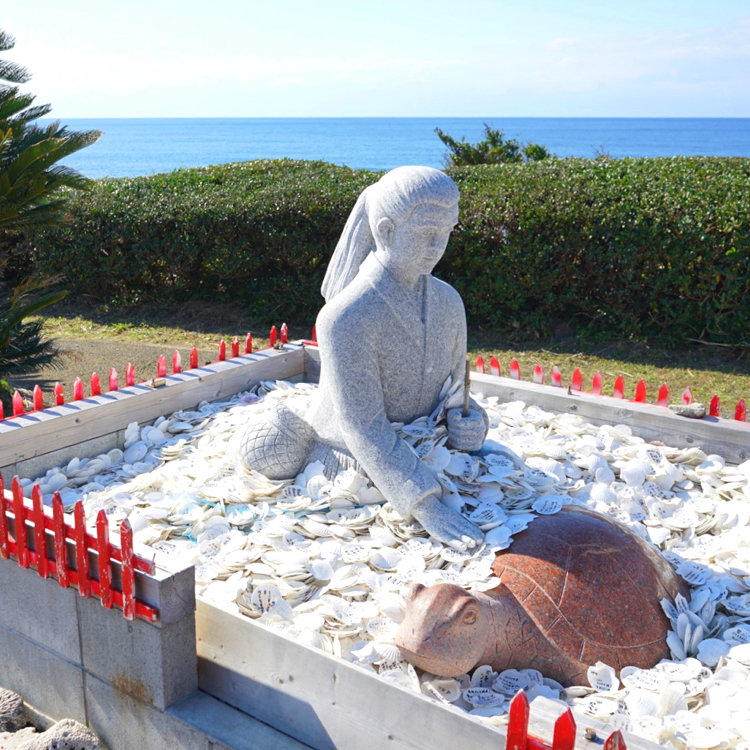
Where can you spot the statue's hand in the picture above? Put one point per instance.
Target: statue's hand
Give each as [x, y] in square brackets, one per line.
[465, 433]
[446, 524]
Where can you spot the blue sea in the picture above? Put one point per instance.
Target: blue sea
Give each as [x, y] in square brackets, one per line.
[130, 147]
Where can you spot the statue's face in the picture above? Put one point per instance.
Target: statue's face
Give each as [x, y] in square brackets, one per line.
[416, 245]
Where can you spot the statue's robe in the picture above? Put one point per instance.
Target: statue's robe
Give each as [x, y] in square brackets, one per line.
[385, 356]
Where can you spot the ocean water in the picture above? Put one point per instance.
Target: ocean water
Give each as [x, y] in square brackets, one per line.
[130, 147]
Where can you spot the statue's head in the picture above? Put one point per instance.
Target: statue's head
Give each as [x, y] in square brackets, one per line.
[405, 217]
[412, 211]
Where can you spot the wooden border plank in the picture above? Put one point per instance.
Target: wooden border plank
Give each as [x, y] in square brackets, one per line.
[50, 430]
[727, 437]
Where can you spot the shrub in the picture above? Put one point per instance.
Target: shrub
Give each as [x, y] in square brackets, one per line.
[494, 149]
[631, 247]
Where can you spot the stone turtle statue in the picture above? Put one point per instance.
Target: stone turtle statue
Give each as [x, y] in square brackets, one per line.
[577, 588]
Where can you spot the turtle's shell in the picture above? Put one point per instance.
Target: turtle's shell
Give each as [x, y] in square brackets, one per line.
[592, 588]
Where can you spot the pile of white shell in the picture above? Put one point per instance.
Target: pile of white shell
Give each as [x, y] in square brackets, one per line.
[328, 563]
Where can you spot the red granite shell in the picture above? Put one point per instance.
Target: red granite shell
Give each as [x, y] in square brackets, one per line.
[592, 587]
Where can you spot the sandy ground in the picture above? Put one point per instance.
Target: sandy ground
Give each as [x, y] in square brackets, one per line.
[82, 357]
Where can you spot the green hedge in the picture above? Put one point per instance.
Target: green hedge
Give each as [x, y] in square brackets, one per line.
[626, 247]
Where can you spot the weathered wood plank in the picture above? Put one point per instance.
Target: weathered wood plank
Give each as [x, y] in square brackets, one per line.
[727, 437]
[329, 703]
[56, 428]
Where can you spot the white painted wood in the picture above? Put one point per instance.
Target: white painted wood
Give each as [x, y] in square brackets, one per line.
[40, 433]
[329, 703]
[726, 437]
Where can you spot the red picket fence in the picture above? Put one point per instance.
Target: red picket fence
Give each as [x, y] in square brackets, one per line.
[19, 408]
[618, 391]
[23, 536]
[564, 733]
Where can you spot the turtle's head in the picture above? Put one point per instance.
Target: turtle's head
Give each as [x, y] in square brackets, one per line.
[445, 629]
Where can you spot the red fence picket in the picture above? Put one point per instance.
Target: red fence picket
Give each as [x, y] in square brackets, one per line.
[235, 347]
[596, 383]
[15, 520]
[129, 375]
[714, 409]
[272, 336]
[193, 358]
[538, 375]
[114, 382]
[77, 389]
[740, 411]
[4, 549]
[284, 334]
[564, 732]
[17, 404]
[640, 392]
[494, 366]
[248, 343]
[515, 370]
[222, 350]
[619, 388]
[161, 366]
[176, 362]
[576, 382]
[480, 365]
[38, 398]
[663, 398]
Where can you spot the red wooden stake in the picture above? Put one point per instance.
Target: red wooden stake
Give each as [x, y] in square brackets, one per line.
[556, 377]
[663, 398]
[284, 335]
[59, 394]
[38, 398]
[176, 362]
[222, 350]
[515, 370]
[82, 553]
[235, 347]
[193, 358]
[248, 343]
[619, 389]
[105, 555]
[114, 381]
[314, 334]
[596, 383]
[96, 388]
[272, 336]
[564, 737]
[129, 375]
[161, 366]
[576, 382]
[687, 396]
[77, 389]
[714, 408]
[4, 551]
[61, 552]
[17, 404]
[740, 411]
[538, 374]
[640, 392]
[518, 722]
[480, 365]
[40, 538]
[2, 412]
[19, 511]
[615, 742]
[494, 366]
[128, 573]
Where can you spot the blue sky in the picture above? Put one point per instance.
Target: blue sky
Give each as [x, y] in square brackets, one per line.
[411, 58]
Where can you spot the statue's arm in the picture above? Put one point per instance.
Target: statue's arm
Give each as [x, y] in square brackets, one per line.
[357, 395]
